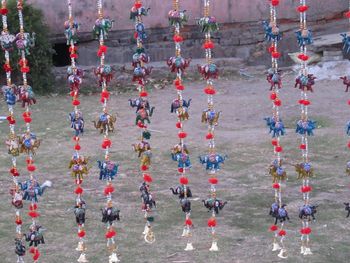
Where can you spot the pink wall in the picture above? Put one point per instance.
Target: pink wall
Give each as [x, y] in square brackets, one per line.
[226, 11]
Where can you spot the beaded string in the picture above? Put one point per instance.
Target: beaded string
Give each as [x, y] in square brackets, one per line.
[305, 127]
[105, 124]
[143, 114]
[210, 116]
[12, 142]
[78, 163]
[179, 106]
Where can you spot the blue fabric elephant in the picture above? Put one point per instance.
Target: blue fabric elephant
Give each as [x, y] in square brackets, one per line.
[77, 122]
[277, 129]
[306, 127]
[140, 31]
[183, 160]
[272, 33]
[304, 37]
[212, 161]
[9, 95]
[346, 42]
[32, 189]
[108, 170]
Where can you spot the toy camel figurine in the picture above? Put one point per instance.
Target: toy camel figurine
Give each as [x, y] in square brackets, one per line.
[105, 122]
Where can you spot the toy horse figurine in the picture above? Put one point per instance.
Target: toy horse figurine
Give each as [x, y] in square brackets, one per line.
[147, 199]
[276, 127]
[304, 37]
[177, 18]
[277, 172]
[70, 31]
[141, 147]
[304, 170]
[143, 115]
[102, 27]
[183, 160]
[32, 189]
[26, 95]
[35, 236]
[209, 71]
[29, 143]
[212, 161]
[77, 122]
[346, 82]
[306, 212]
[211, 117]
[305, 82]
[279, 213]
[178, 64]
[79, 212]
[180, 191]
[214, 204]
[346, 43]
[208, 24]
[104, 74]
[20, 249]
[25, 43]
[105, 123]
[108, 170]
[272, 32]
[12, 144]
[306, 127]
[135, 12]
[274, 78]
[109, 215]
[79, 167]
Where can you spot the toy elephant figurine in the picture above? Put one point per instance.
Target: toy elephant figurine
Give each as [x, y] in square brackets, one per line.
[177, 18]
[32, 189]
[141, 147]
[102, 27]
[177, 103]
[26, 95]
[143, 115]
[140, 103]
[277, 172]
[25, 43]
[208, 24]
[140, 73]
[212, 161]
[214, 204]
[20, 248]
[279, 213]
[305, 127]
[105, 123]
[108, 170]
[10, 94]
[7, 41]
[307, 212]
[275, 127]
[346, 43]
[304, 37]
[135, 12]
[140, 58]
[77, 122]
[140, 32]
[29, 143]
[104, 73]
[274, 78]
[180, 191]
[304, 170]
[70, 31]
[178, 64]
[74, 82]
[182, 159]
[110, 214]
[211, 117]
[79, 166]
[75, 71]
[12, 144]
[79, 212]
[305, 82]
[185, 205]
[146, 158]
[35, 236]
[209, 71]
[272, 32]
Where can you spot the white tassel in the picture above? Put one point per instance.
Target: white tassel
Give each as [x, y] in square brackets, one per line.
[302, 250]
[307, 251]
[185, 232]
[189, 247]
[214, 246]
[113, 258]
[82, 258]
[283, 253]
[276, 246]
[80, 246]
[20, 259]
[145, 231]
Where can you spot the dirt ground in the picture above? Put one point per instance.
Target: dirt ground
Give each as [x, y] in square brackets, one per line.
[243, 224]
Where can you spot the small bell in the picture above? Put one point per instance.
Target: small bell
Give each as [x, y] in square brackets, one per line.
[185, 232]
[149, 237]
[189, 247]
[214, 246]
[307, 251]
[302, 250]
[276, 246]
[82, 258]
[80, 246]
[283, 253]
[113, 258]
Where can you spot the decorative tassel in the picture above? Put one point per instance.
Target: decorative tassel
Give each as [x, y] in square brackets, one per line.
[82, 258]
[214, 246]
[113, 258]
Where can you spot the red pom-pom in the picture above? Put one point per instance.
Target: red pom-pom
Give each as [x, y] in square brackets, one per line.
[302, 146]
[276, 54]
[76, 138]
[306, 189]
[273, 96]
[31, 168]
[72, 49]
[109, 189]
[212, 222]
[11, 120]
[25, 69]
[27, 119]
[138, 5]
[180, 87]
[81, 233]
[209, 136]
[301, 102]
[143, 94]
[278, 102]
[19, 222]
[180, 170]
[14, 172]
[272, 49]
[22, 62]
[302, 8]
[4, 11]
[278, 149]
[110, 234]
[105, 94]
[179, 125]
[177, 82]
[276, 186]
[147, 178]
[275, 2]
[306, 102]
[141, 125]
[76, 102]
[183, 180]
[36, 255]
[144, 168]
[282, 233]
[188, 222]
[274, 142]
[79, 190]
[208, 45]
[209, 91]
[347, 14]
[182, 135]
[106, 143]
[178, 38]
[77, 147]
[74, 55]
[33, 207]
[7, 68]
[33, 214]
[273, 228]
[305, 231]
[26, 114]
[103, 49]
[32, 250]
[213, 180]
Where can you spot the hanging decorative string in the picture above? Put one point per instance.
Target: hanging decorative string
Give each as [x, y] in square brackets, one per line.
[78, 163]
[10, 92]
[212, 161]
[143, 114]
[276, 128]
[179, 106]
[105, 124]
[28, 141]
[305, 127]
